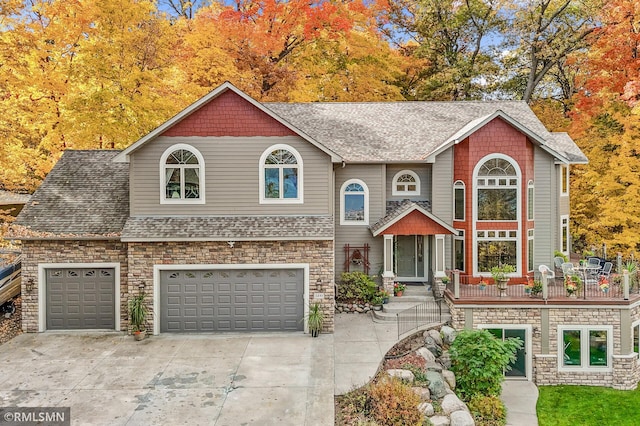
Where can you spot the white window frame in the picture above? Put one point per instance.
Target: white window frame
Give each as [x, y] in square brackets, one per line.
[460, 236]
[564, 231]
[635, 326]
[530, 247]
[564, 180]
[530, 200]
[528, 348]
[163, 176]
[343, 220]
[394, 187]
[584, 348]
[457, 186]
[474, 207]
[300, 198]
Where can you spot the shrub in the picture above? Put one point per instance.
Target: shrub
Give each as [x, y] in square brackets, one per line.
[487, 410]
[392, 403]
[561, 254]
[478, 360]
[356, 287]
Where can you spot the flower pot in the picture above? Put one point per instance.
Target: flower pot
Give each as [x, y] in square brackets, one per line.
[482, 286]
[377, 307]
[605, 290]
[314, 332]
[502, 286]
[139, 335]
[527, 291]
[572, 295]
[385, 300]
[398, 293]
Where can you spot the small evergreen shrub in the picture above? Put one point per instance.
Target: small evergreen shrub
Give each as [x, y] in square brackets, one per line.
[487, 410]
[392, 403]
[478, 360]
[356, 287]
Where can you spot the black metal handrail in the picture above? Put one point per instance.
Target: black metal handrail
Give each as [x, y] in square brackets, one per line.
[419, 315]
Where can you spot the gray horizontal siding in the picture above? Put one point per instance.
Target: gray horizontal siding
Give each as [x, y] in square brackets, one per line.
[373, 175]
[232, 177]
[545, 214]
[442, 200]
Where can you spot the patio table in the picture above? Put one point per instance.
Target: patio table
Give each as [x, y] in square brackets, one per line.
[588, 273]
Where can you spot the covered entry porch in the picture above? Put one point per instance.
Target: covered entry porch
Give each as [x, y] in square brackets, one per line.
[414, 243]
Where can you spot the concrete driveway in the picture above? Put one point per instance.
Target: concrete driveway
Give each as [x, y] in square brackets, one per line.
[109, 379]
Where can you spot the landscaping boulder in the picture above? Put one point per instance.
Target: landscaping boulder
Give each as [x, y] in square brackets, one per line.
[404, 375]
[445, 360]
[433, 366]
[436, 384]
[452, 403]
[426, 354]
[461, 418]
[426, 408]
[450, 378]
[448, 334]
[435, 335]
[423, 393]
[439, 421]
[432, 346]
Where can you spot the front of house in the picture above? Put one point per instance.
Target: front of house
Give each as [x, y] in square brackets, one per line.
[236, 215]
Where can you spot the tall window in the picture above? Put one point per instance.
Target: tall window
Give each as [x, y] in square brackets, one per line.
[530, 234]
[497, 198]
[564, 234]
[458, 200]
[564, 180]
[584, 347]
[530, 200]
[497, 189]
[281, 175]
[354, 206]
[182, 175]
[406, 182]
[458, 250]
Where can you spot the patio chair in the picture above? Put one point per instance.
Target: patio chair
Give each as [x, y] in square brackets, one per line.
[550, 273]
[606, 270]
[567, 268]
[595, 262]
[557, 263]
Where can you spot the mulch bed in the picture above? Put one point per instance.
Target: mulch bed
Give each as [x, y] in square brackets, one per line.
[12, 326]
[406, 346]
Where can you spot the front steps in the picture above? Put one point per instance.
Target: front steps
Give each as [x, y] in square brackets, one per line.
[413, 295]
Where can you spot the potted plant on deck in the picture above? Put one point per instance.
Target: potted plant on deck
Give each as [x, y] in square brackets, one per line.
[138, 315]
[501, 277]
[315, 319]
[398, 289]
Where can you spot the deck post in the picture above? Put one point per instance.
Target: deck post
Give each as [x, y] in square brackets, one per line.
[545, 285]
[625, 282]
[456, 284]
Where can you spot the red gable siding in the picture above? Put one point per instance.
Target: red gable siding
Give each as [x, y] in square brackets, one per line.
[228, 115]
[415, 223]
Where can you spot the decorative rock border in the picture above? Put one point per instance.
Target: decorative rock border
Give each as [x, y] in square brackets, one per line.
[353, 308]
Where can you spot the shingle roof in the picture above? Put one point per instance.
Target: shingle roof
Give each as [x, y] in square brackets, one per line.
[565, 145]
[228, 228]
[84, 195]
[401, 131]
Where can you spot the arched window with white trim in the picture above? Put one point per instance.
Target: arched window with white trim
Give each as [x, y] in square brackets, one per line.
[406, 182]
[354, 203]
[496, 202]
[182, 175]
[281, 175]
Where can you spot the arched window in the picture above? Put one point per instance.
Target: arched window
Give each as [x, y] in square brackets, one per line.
[458, 200]
[497, 199]
[354, 206]
[182, 175]
[281, 175]
[406, 182]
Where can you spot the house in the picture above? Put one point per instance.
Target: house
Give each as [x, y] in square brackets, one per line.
[236, 215]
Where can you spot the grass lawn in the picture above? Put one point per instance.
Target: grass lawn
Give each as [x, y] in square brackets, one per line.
[587, 405]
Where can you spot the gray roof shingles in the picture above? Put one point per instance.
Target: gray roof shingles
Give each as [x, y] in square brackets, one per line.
[84, 195]
[400, 131]
[229, 228]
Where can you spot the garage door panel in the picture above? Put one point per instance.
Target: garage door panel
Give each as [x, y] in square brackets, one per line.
[231, 300]
[80, 298]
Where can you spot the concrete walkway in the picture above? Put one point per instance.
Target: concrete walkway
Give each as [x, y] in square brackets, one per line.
[520, 398]
[359, 347]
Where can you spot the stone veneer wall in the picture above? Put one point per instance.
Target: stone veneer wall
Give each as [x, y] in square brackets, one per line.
[625, 372]
[318, 254]
[43, 251]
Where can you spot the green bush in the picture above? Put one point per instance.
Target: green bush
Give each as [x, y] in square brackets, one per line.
[392, 403]
[479, 359]
[487, 410]
[356, 287]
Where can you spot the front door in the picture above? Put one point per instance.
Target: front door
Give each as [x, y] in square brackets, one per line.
[519, 366]
[410, 257]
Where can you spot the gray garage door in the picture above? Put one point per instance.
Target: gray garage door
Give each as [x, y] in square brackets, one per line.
[80, 298]
[231, 300]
